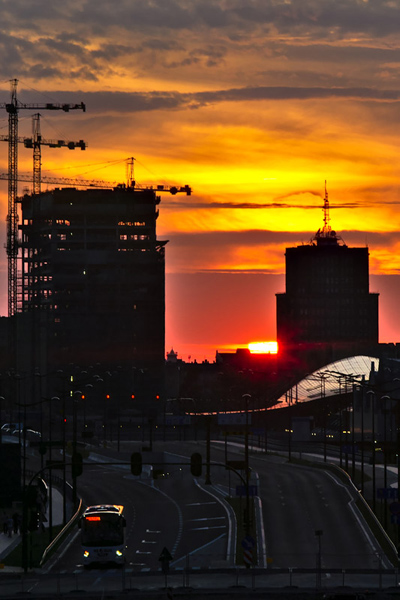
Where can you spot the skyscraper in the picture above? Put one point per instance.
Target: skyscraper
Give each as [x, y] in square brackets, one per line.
[327, 303]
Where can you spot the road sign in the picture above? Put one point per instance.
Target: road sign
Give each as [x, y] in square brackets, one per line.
[395, 519]
[258, 431]
[349, 449]
[248, 542]
[248, 557]
[164, 558]
[387, 493]
[165, 555]
[234, 418]
[241, 490]
[394, 508]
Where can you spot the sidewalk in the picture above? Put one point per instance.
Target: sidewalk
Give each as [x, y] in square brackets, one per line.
[7, 544]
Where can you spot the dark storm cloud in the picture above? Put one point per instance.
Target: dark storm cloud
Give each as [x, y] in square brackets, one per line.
[367, 197]
[339, 54]
[174, 34]
[338, 17]
[223, 240]
[150, 101]
[299, 93]
[378, 17]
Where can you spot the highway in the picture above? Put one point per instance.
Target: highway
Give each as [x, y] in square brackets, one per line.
[190, 519]
[173, 512]
[307, 519]
[298, 501]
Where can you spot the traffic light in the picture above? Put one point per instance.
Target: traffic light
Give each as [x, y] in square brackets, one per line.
[136, 463]
[77, 464]
[133, 396]
[157, 396]
[196, 463]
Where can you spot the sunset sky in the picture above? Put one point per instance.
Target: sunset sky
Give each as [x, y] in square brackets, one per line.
[254, 104]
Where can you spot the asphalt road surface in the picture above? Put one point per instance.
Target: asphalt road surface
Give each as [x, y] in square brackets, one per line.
[308, 516]
[173, 513]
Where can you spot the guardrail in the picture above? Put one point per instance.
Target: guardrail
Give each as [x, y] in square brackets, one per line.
[52, 546]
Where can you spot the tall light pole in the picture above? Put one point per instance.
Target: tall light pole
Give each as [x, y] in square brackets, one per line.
[384, 409]
[50, 469]
[1, 408]
[371, 394]
[207, 480]
[246, 398]
[76, 394]
[362, 391]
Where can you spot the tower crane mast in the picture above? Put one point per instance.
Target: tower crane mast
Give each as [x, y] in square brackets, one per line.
[13, 107]
[36, 142]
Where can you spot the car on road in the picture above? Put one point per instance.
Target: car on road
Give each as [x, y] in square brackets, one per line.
[30, 434]
[8, 428]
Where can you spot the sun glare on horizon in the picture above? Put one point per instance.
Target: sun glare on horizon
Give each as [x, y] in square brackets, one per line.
[263, 347]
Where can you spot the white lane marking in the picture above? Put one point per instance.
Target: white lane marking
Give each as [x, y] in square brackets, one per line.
[230, 515]
[208, 519]
[180, 518]
[204, 528]
[200, 503]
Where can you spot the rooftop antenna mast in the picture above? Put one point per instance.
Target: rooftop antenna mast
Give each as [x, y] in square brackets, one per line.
[327, 228]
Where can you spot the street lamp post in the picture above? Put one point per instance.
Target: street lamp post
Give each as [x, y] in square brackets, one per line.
[50, 469]
[207, 480]
[362, 390]
[247, 397]
[1, 408]
[76, 394]
[385, 446]
[371, 394]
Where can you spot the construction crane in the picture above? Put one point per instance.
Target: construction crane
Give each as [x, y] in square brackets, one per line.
[97, 183]
[13, 107]
[131, 183]
[36, 142]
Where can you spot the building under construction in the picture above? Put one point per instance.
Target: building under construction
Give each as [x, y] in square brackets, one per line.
[93, 282]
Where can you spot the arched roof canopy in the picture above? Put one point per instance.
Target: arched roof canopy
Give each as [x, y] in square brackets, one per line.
[334, 379]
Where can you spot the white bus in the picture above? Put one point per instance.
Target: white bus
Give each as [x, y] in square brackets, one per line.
[103, 534]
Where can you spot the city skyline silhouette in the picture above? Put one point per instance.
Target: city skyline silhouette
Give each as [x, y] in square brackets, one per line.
[254, 110]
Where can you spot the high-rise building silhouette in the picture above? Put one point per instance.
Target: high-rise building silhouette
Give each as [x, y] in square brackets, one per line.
[93, 280]
[327, 303]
